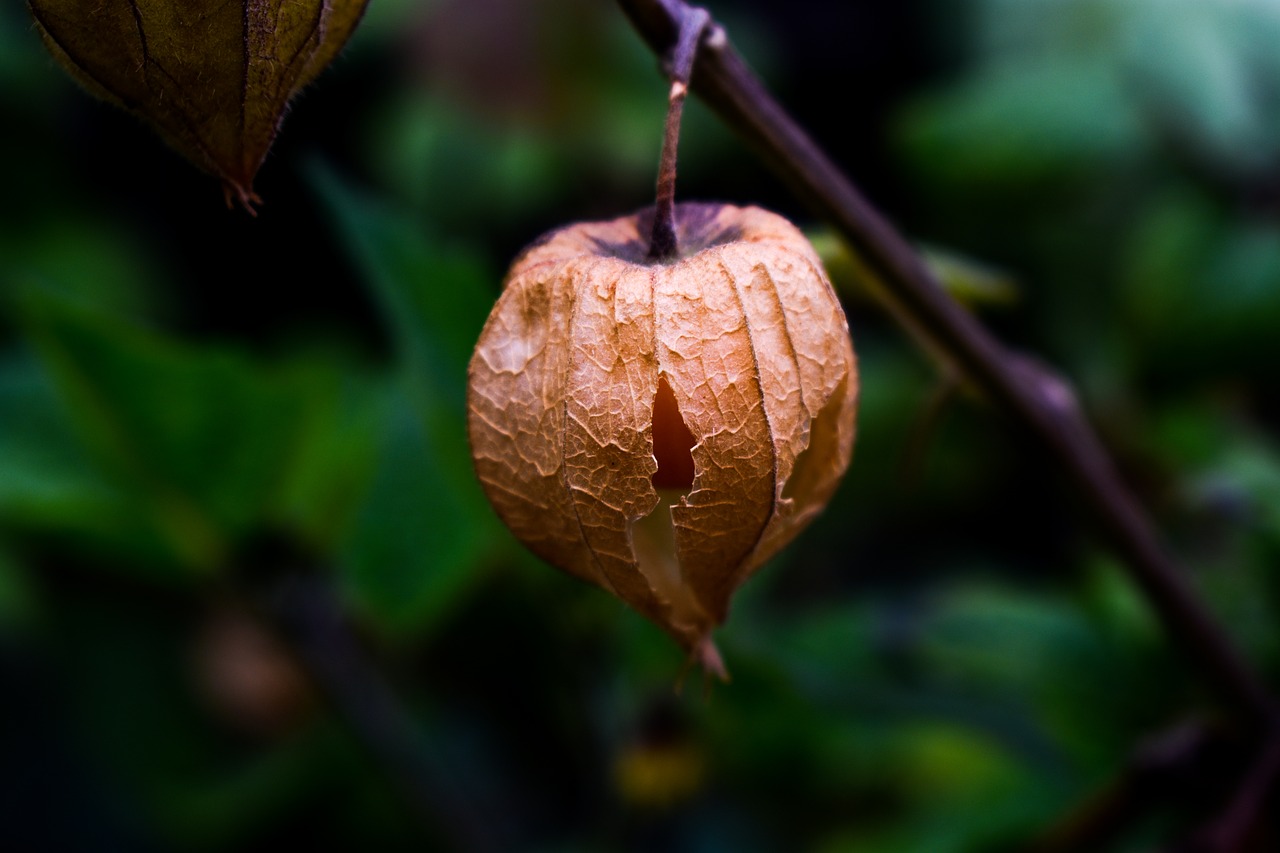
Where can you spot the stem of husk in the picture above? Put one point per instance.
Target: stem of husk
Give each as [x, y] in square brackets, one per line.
[663, 245]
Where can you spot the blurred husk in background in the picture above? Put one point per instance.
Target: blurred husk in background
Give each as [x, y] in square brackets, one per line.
[199, 411]
[213, 78]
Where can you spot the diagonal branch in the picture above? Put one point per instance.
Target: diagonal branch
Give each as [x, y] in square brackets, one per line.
[1042, 401]
[1232, 830]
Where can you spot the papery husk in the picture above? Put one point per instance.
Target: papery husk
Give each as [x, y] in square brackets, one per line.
[213, 77]
[747, 332]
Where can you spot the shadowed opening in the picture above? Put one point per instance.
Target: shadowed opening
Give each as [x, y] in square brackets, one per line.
[672, 442]
[653, 537]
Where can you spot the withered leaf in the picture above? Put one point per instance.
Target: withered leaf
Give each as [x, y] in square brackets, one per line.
[213, 77]
[659, 429]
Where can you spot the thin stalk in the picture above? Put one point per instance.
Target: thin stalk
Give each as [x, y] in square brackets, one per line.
[663, 245]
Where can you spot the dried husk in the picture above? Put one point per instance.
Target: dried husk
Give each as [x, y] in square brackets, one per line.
[213, 77]
[747, 334]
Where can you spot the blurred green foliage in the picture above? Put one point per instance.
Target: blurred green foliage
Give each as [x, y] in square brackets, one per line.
[948, 660]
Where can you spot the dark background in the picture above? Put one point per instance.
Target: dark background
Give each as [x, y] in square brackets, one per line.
[250, 594]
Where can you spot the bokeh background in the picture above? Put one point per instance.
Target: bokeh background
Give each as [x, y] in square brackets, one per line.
[250, 593]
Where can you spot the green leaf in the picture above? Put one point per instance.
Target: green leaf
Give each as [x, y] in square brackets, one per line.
[967, 279]
[1202, 286]
[1042, 651]
[419, 539]
[50, 482]
[335, 455]
[53, 486]
[1024, 124]
[440, 158]
[201, 437]
[874, 661]
[1207, 74]
[1227, 475]
[91, 258]
[434, 297]
[426, 528]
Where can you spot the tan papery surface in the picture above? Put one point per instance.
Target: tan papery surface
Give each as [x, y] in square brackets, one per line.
[748, 334]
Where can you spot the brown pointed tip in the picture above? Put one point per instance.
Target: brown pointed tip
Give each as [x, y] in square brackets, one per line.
[706, 655]
[234, 192]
